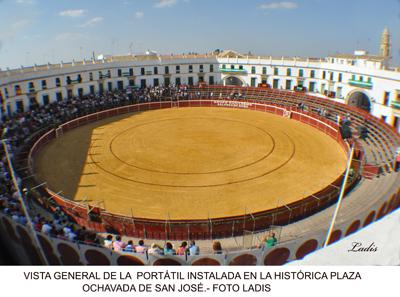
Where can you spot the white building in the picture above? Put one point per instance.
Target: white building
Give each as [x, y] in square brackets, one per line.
[361, 80]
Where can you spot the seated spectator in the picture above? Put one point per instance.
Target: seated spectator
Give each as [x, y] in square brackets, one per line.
[46, 228]
[168, 249]
[129, 247]
[118, 245]
[141, 248]
[271, 241]
[181, 251]
[217, 248]
[155, 249]
[193, 249]
[108, 242]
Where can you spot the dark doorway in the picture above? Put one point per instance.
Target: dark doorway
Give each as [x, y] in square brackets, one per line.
[360, 100]
[233, 81]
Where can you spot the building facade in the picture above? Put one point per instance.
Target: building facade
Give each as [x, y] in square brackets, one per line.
[361, 80]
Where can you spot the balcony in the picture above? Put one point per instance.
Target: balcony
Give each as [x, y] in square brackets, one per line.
[361, 84]
[396, 104]
[233, 71]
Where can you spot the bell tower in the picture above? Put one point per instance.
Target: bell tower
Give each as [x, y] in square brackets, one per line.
[385, 48]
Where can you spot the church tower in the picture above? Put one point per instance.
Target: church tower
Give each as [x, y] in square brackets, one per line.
[385, 44]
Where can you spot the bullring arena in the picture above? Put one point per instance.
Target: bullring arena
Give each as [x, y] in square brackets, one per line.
[201, 162]
[191, 163]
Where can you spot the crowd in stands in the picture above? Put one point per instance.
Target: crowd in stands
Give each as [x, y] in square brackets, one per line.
[17, 129]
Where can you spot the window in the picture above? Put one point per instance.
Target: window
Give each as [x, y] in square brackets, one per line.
[109, 73]
[177, 81]
[178, 69]
[91, 89]
[240, 67]
[288, 84]
[20, 106]
[156, 82]
[142, 83]
[130, 71]
[142, 71]
[211, 80]
[17, 90]
[312, 74]
[223, 66]
[120, 85]
[166, 70]
[275, 83]
[44, 84]
[253, 70]
[353, 77]
[323, 74]
[119, 72]
[301, 72]
[288, 72]
[31, 87]
[253, 81]
[167, 81]
[276, 71]
[155, 70]
[110, 86]
[90, 76]
[233, 67]
[331, 76]
[79, 79]
[211, 68]
[311, 86]
[45, 99]
[201, 68]
[59, 96]
[190, 68]
[386, 98]
[190, 81]
[264, 70]
[340, 78]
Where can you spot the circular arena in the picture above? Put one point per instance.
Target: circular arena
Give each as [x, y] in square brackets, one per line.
[191, 163]
[206, 162]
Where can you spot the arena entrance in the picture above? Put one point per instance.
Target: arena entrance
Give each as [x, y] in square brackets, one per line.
[233, 81]
[359, 99]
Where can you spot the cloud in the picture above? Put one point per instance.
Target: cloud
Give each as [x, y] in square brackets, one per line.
[279, 5]
[73, 13]
[165, 3]
[25, 1]
[14, 29]
[69, 36]
[139, 14]
[92, 22]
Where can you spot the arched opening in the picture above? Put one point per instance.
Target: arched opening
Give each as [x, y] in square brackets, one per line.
[360, 100]
[233, 81]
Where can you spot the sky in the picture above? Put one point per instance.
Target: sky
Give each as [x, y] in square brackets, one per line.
[42, 31]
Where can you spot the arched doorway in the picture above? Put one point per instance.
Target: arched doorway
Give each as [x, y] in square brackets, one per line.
[360, 100]
[233, 81]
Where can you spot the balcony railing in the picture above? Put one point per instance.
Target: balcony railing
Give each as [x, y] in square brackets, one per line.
[233, 71]
[361, 84]
[396, 104]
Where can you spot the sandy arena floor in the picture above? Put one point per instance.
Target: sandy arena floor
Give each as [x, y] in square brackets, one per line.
[191, 163]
